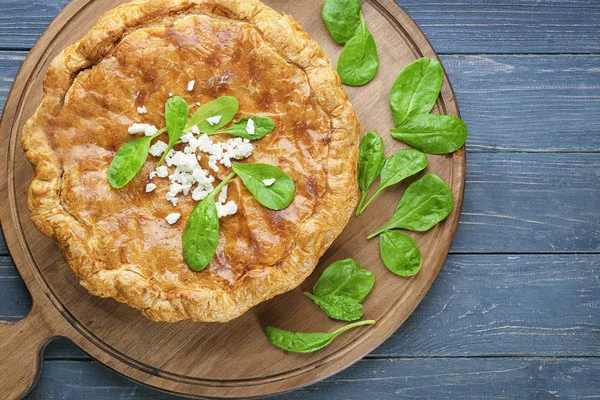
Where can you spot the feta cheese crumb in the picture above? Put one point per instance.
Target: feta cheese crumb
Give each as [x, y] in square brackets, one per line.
[223, 195]
[250, 127]
[190, 86]
[268, 182]
[150, 187]
[215, 119]
[173, 217]
[152, 175]
[170, 94]
[162, 171]
[226, 209]
[142, 110]
[146, 129]
[198, 103]
[195, 130]
[158, 148]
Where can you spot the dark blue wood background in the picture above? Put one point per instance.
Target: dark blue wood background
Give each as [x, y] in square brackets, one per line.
[515, 312]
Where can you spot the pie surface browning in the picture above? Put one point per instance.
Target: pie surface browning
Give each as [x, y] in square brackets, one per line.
[117, 241]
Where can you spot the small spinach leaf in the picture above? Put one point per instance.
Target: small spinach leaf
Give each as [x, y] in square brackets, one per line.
[341, 18]
[432, 133]
[128, 161]
[306, 342]
[201, 234]
[345, 278]
[358, 63]
[176, 116]
[401, 165]
[338, 307]
[262, 126]
[370, 162]
[424, 203]
[225, 106]
[278, 195]
[416, 89]
[400, 253]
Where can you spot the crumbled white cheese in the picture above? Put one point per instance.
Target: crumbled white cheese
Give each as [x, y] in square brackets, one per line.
[190, 86]
[142, 110]
[226, 209]
[268, 182]
[223, 195]
[212, 163]
[158, 148]
[162, 171]
[146, 129]
[186, 137]
[150, 187]
[215, 119]
[198, 103]
[173, 217]
[199, 193]
[195, 130]
[170, 94]
[250, 127]
[152, 175]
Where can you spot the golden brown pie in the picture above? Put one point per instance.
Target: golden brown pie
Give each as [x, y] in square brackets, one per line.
[119, 241]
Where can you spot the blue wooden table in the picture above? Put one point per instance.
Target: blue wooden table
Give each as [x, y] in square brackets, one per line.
[515, 312]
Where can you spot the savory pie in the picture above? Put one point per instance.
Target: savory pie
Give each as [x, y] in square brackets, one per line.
[126, 243]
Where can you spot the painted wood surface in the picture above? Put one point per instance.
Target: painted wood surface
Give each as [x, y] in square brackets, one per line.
[505, 326]
[431, 378]
[467, 26]
[480, 305]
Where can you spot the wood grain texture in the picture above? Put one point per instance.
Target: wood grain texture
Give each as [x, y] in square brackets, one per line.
[217, 360]
[530, 203]
[468, 26]
[433, 378]
[511, 103]
[480, 305]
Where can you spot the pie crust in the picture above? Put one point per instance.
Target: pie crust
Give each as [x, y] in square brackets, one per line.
[117, 241]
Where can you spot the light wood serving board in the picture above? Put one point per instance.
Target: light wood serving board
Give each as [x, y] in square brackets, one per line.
[215, 360]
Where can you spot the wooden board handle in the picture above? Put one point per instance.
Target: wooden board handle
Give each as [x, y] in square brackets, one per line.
[21, 351]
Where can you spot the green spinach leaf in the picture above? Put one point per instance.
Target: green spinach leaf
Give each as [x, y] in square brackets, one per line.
[416, 89]
[338, 307]
[341, 18]
[262, 126]
[401, 165]
[341, 288]
[424, 203]
[201, 232]
[128, 161]
[277, 195]
[306, 342]
[400, 253]
[225, 107]
[370, 162]
[432, 133]
[176, 116]
[358, 63]
[345, 278]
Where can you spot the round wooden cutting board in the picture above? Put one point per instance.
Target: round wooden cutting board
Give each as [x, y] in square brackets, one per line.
[233, 359]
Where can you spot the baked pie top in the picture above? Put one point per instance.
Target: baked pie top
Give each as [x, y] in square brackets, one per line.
[118, 241]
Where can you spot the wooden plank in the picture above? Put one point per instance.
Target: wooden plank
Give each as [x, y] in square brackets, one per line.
[479, 305]
[468, 26]
[528, 103]
[530, 203]
[431, 378]
[508, 26]
[508, 102]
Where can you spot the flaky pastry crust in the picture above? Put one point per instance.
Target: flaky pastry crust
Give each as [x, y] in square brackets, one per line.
[117, 241]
